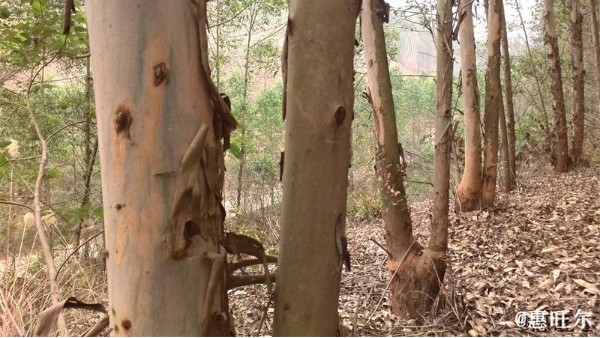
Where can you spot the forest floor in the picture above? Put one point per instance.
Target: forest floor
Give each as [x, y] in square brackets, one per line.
[536, 253]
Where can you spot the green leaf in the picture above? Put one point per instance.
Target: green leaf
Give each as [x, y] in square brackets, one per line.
[37, 7]
[4, 142]
[4, 13]
[52, 174]
[235, 150]
[98, 212]
[3, 159]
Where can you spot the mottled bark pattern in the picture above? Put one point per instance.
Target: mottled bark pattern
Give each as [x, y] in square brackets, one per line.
[578, 83]
[162, 169]
[509, 107]
[493, 100]
[560, 144]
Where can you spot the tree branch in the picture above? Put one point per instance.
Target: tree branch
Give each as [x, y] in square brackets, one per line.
[231, 267]
[237, 281]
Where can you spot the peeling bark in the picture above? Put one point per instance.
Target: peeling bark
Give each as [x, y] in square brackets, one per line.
[162, 169]
[493, 102]
[560, 144]
[578, 84]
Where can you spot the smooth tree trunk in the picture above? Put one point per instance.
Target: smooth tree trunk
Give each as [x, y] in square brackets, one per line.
[509, 110]
[414, 279]
[578, 83]
[162, 169]
[560, 143]
[493, 103]
[469, 189]
[596, 39]
[319, 108]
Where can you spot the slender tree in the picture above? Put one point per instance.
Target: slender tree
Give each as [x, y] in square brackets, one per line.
[318, 68]
[560, 141]
[493, 102]
[509, 106]
[578, 83]
[596, 38]
[162, 168]
[469, 189]
[435, 255]
[504, 158]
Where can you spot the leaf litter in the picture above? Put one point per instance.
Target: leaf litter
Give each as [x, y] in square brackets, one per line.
[537, 250]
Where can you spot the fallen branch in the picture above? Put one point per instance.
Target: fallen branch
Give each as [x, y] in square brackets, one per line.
[237, 281]
[231, 267]
[98, 327]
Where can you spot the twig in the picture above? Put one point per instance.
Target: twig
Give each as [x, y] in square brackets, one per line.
[9, 313]
[389, 283]
[76, 249]
[98, 327]
[419, 182]
[17, 204]
[62, 128]
[264, 316]
[381, 246]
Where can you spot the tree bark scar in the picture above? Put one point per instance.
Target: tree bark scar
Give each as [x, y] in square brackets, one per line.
[382, 10]
[340, 115]
[123, 121]
[160, 74]
[284, 66]
[281, 162]
[341, 241]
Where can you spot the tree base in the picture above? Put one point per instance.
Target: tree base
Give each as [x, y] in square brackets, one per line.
[417, 281]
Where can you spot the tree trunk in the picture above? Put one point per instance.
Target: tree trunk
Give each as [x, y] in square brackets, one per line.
[493, 102]
[509, 107]
[433, 261]
[596, 38]
[469, 189]
[560, 142]
[162, 169]
[506, 183]
[42, 235]
[91, 150]
[319, 106]
[244, 111]
[578, 85]
[414, 282]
